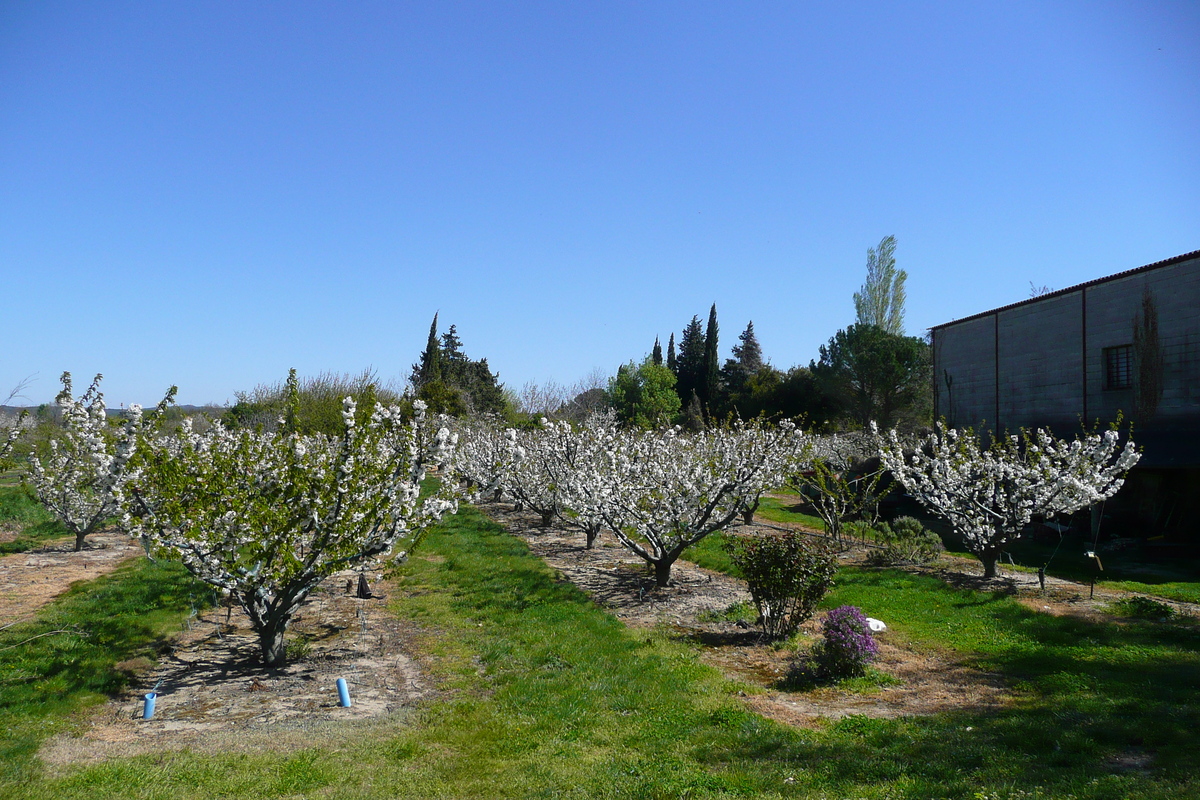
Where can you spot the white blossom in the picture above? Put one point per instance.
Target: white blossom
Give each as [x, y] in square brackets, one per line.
[989, 495]
[83, 479]
[266, 517]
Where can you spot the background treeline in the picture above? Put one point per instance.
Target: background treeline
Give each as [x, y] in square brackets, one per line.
[864, 373]
[867, 371]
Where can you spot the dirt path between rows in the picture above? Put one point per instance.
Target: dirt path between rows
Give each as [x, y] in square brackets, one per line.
[929, 682]
[33, 579]
[214, 696]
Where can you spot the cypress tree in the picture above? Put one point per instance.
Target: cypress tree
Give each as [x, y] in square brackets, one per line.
[429, 368]
[710, 384]
[656, 356]
[451, 382]
[672, 364]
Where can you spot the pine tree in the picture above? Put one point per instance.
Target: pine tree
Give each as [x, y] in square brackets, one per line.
[672, 363]
[710, 385]
[746, 362]
[453, 359]
[657, 356]
[689, 365]
[747, 351]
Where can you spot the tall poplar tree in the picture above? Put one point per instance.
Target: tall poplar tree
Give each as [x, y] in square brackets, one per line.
[672, 363]
[657, 356]
[881, 301]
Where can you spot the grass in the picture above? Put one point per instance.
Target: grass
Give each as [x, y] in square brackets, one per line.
[552, 697]
[20, 509]
[1102, 687]
[710, 553]
[777, 510]
[1142, 608]
[64, 659]
[742, 610]
[1184, 592]
[1179, 580]
[801, 678]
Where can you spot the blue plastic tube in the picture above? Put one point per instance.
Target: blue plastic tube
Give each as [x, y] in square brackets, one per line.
[343, 693]
[148, 708]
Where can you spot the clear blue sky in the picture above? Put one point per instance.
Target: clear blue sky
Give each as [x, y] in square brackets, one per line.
[206, 194]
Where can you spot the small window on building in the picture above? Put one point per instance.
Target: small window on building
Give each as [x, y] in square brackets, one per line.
[1117, 367]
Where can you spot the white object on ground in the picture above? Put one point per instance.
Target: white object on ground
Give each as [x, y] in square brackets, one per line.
[875, 625]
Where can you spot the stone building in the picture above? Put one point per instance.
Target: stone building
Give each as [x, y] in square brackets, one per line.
[1085, 354]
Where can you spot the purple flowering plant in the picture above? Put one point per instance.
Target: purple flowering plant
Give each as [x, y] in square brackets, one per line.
[848, 645]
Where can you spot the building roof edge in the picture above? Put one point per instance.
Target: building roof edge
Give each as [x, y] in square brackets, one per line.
[1077, 287]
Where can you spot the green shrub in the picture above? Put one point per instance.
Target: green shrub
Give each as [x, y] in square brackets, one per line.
[788, 574]
[906, 541]
[319, 406]
[1143, 608]
[860, 530]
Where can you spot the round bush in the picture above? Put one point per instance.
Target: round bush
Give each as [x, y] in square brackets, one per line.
[906, 541]
[848, 645]
[787, 574]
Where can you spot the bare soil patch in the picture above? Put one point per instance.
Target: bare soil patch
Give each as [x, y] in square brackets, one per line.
[213, 695]
[31, 580]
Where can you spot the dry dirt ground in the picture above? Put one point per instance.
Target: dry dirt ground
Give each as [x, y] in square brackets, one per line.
[212, 695]
[32, 579]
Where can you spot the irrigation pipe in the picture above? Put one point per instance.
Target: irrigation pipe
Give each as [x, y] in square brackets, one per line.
[40, 635]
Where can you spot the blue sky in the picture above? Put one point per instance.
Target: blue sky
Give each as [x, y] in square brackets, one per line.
[207, 194]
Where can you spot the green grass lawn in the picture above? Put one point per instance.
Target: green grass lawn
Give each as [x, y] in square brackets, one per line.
[1177, 580]
[552, 697]
[20, 509]
[63, 660]
[782, 510]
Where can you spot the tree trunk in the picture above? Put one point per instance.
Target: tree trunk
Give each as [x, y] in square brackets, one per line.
[79, 537]
[989, 564]
[591, 534]
[748, 514]
[270, 623]
[273, 648]
[547, 518]
[662, 573]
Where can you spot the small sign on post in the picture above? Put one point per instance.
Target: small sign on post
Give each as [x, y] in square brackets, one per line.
[1099, 568]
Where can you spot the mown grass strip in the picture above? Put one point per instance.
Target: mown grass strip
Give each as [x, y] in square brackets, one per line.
[784, 510]
[554, 698]
[63, 659]
[35, 526]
